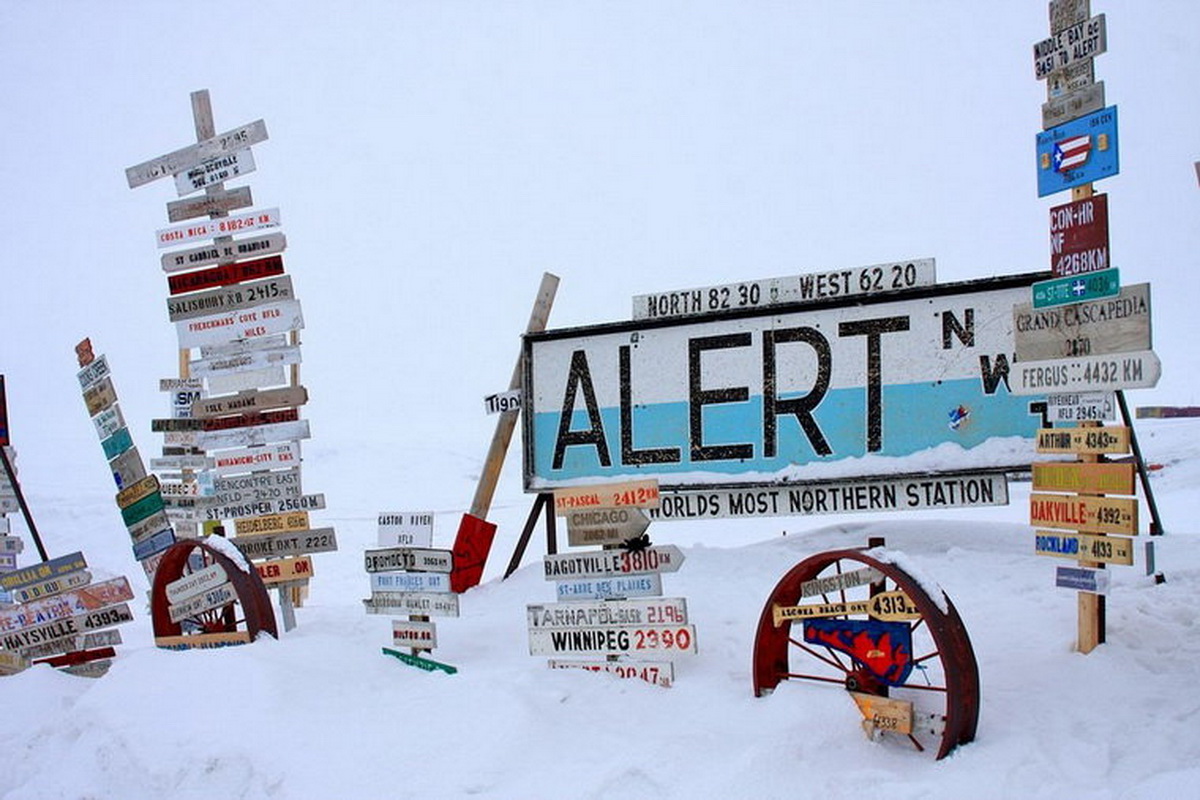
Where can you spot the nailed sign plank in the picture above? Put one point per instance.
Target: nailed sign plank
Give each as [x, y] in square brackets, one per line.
[1084, 547]
[194, 583]
[1081, 151]
[891, 276]
[68, 626]
[409, 558]
[224, 251]
[99, 396]
[615, 588]
[1111, 439]
[660, 673]
[886, 606]
[230, 298]
[273, 523]
[1073, 105]
[761, 397]
[1079, 237]
[613, 641]
[1077, 289]
[602, 526]
[215, 170]
[410, 633]
[1119, 324]
[289, 397]
[405, 528]
[252, 459]
[1081, 579]
[252, 323]
[285, 570]
[210, 598]
[193, 155]
[1084, 513]
[266, 508]
[1082, 477]
[225, 275]
[427, 603]
[275, 545]
[1080, 42]
[255, 487]
[253, 435]
[1137, 370]
[67, 604]
[224, 226]
[605, 613]
[52, 586]
[606, 563]
[838, 497]
[1081, 407]
[630, 494]
[44, 571]
[217, 202]
[837, 583]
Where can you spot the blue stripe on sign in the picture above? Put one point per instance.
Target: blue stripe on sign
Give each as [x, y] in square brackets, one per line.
[915, 418]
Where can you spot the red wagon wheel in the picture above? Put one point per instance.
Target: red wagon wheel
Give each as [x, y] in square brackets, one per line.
[246, 613]
[879, 635]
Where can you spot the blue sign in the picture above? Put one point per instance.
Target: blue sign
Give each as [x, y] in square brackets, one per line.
[154, 544]
[1078, 152]
[1077, 289]
[1081, 579]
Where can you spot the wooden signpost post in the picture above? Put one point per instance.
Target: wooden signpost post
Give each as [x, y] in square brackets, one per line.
[237, 428]
[1082, 333]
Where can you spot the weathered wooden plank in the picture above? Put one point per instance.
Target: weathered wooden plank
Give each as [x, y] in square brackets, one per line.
[227, 299]
[1085, 513]
[185, 158]
[215, 202]
[1083, 478]
[637, 494]
[224, 251]
[1111, 439]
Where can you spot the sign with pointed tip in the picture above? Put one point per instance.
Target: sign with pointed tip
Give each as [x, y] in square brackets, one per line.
[215, 170]
[600, 526]
[224, 251]
[245, 222]
[193, 155]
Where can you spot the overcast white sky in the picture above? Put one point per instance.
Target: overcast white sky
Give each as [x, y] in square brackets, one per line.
[432, 159]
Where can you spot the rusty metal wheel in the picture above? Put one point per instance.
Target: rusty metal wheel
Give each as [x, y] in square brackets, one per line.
[245, 612]
[868, 626]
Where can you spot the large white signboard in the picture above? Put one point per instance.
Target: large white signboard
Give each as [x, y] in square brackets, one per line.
[866, 387]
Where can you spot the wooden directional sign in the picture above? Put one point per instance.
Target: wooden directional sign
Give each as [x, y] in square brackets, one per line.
[257, 487]
[1082, 579]
[253, 436]
[193, 155]
[1119, 324]
[245, 222]
[411, 633]
[410, 582]
[252, 459]
[251, 360]
[216, 202]
[277, 545]
[99, 396]
[660, 673]
[1084, 547]
[1081, 407]
[202, 641]
[405, 528]
[1080, 42]
[409, 558]
[266, 508]
[503, 402]
[65, 604]
[1085, 513]
[841, 582]
[1138, 370]
[138, 491]
[886, 606]
[145, 528]
[230, 298]
[1077, 289]
[631, 640]
[225, 275]
[285, 570]
[215, 170]
[1072, 105]
[616, 588]
[606, 563]
[226, 382]
[291, 396]
[426, 664]
[892, 276]
[885, 713]
[602, 526]
[630, 494]
[116, 444]
[93, 373]
[52, 586]
[426, 603]
[1066, 13]
[252, 323]
[224, 252]
[1079, 237]
[213, 597]
[1081, 151]
[154, 544]
[273, 523]
[68, 626]
[195, 583]
[605, 613]
[44, 571]
[109, 421]
[149, 504]
[1084, 478]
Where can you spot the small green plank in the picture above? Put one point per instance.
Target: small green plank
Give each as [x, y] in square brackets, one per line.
[1077, 289]
[427, 664]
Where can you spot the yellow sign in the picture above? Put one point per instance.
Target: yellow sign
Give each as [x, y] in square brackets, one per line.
[284, 570]
[886, 606]
[1084, 547]
[272, 523]
[1068, 476]
[1083, 440]
[631, 494]
[884, 713]
[1083, 513]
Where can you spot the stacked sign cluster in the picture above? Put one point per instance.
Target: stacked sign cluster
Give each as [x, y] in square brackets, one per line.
[611, 598]
[51, 612]
[1082, 336]
[410, 579]
[138, 497]
[232, 447]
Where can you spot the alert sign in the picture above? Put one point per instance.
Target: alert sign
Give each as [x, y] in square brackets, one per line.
[770, 396]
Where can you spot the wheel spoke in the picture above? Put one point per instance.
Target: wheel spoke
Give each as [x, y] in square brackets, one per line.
[834, 662]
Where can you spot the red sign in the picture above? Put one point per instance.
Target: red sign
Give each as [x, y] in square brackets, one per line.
[225, 275]
[1079, 237]
[248, 420]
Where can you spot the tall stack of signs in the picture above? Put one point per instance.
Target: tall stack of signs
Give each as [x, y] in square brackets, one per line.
[612, 606]
[138, 496]
[232, 447]
[1082, 336]
[410, 579]
[51, 612]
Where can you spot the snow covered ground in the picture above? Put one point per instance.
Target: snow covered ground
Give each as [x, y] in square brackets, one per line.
[322, 713]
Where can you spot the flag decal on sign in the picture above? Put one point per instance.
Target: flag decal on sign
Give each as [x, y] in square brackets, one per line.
[1072, 153]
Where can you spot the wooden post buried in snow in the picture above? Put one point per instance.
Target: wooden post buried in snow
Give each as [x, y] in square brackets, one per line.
[474, 538]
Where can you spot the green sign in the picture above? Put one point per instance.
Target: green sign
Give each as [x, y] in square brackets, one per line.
[427, 664]
[1076, 289]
